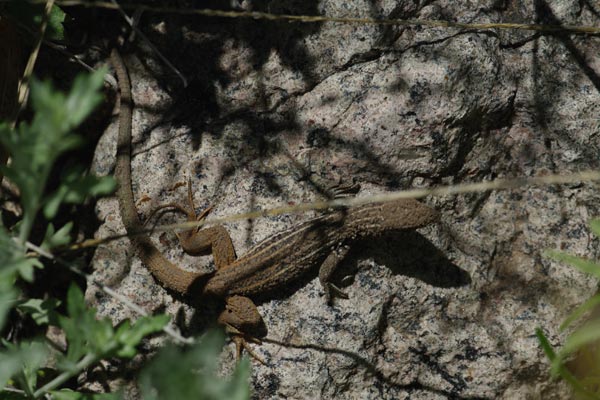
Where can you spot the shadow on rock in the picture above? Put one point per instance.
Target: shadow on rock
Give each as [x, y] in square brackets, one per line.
[409, 253]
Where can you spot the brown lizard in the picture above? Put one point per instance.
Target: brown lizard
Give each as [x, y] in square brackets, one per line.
[268, 266]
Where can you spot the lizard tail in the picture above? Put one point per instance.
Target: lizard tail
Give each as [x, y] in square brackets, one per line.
[168, 274]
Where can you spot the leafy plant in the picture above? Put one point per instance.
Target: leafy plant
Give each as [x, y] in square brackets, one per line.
[34, 147]
[192, 373]
[89, 340]
[30, 15]
[30, 367]
[582, 347]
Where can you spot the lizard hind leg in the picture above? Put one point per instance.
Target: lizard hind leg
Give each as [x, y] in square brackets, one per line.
[175, 206]
[186, 238]
[189, 211]
[200, 240]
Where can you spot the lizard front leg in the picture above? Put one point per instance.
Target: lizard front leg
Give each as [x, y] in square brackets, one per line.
[328, 268]
[243, 322]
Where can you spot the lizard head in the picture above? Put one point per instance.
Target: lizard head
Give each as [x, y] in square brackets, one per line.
[241, 314]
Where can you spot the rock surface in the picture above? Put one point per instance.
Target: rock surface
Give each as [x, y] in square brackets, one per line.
[274, 110]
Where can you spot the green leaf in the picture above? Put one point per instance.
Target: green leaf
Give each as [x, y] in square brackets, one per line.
[585, 340]
[95, 339]
[191, 373]
[81, 329]
[52, 112]
[10, 364]
[11, 254]
[579, 311]
[30, 15]
[68, 394]
[41, 311]
[12, 396]
[25, 268]
[558, 368]
[8, 298]
[35, 147]
[33, 355]
[545, 344]
[588, 333]
[12, 257]
[75, 187]
[58, 238]
[595, 226]
[22, 362]
[582, 264]
[84, 96]
[76, 303]
[239, 388]
[130, 336]
[55, 29]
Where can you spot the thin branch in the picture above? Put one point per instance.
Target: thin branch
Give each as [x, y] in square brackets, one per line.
[499, 184]
[580, 29]
[126, 301]
[24, 84]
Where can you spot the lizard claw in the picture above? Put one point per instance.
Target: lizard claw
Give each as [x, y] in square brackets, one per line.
[242, 343]
[343, 190]
[332, 291]
[190, 211]
[174, 206]
[239, 318]
[204, 213]
[192, 216]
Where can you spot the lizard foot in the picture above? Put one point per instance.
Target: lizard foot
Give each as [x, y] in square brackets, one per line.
[242, 344]
[343, 190]
[243, 323]
[189, 211]
[332, 291]
[175, 206]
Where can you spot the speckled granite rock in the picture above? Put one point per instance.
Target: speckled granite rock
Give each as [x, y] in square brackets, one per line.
[276, 109]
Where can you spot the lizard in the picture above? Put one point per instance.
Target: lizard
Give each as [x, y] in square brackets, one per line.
[271, 264]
